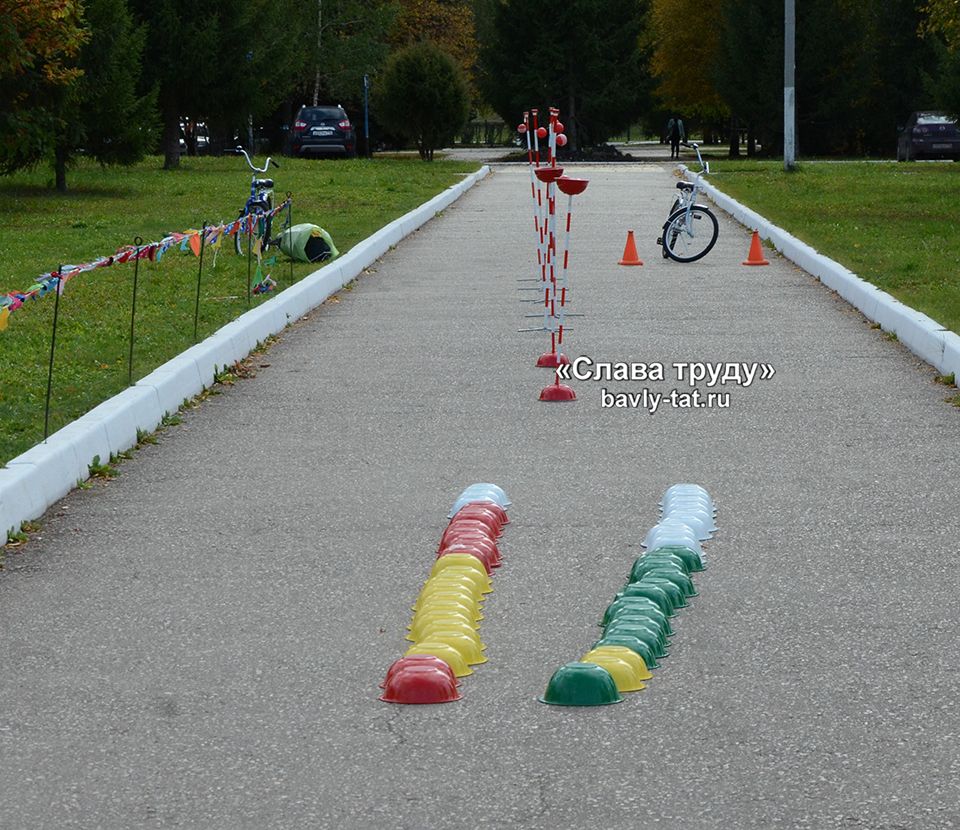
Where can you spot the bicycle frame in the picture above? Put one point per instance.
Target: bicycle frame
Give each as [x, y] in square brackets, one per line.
[258, 194]
[689, 197]
[259, 202]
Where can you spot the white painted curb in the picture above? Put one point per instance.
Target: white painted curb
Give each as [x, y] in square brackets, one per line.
[45, 473]
[924, 336]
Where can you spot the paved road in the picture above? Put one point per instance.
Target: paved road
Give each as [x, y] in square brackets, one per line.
[638, 150]
[199, 643]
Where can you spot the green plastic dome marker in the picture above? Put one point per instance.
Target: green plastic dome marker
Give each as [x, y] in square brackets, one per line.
[645, 563]
[693, 558]
[673, 590]
[681, 580]
[647, 590]
[581, 684]
[633, 643]
[619, 628]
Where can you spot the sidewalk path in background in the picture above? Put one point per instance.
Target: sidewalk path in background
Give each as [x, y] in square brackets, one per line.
[198, 643]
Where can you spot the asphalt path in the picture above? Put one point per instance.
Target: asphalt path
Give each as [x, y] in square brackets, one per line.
[199, 642]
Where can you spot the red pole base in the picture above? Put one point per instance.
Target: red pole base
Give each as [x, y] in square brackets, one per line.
[556, 392]
[550, 360]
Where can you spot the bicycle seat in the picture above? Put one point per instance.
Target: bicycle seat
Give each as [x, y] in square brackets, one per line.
[684, 186]
[264, 182]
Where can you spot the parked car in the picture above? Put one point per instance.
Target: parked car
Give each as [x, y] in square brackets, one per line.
[929, 135]
[195, 133]
[325, 129]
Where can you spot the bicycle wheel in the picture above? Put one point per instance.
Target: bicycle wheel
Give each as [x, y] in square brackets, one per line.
[240, 237]
[687, 238]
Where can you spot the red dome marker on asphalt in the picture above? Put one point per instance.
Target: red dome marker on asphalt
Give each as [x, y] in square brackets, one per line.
[420, 684]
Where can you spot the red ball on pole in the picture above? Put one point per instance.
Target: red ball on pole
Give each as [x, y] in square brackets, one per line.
[522, 128]
[541, 132]
[561, 140]
[558, 127]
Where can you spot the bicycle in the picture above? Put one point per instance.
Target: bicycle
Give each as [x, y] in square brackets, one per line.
[691, 230]
[260, 202]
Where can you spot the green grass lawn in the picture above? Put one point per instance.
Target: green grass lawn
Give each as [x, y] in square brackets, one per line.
[106, 209]
[895, 225]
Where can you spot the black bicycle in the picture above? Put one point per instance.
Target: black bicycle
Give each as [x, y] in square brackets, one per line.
[259, 204]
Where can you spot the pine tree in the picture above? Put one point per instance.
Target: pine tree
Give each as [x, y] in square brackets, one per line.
[584, 56]
[101, 113]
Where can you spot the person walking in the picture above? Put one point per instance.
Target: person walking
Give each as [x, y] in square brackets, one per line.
[675, 135]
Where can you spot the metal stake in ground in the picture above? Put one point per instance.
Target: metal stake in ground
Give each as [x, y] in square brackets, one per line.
[290, 219]
[250, 219]
[137, 241]
[53, 348]
[196, 308]
[524, 129]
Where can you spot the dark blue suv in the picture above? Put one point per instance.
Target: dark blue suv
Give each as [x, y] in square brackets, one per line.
[324, 129]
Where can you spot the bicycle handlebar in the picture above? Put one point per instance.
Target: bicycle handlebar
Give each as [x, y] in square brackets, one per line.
[250, 163]
[704, 168]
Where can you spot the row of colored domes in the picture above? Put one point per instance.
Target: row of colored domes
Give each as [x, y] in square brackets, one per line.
[447, 612]
[636, 625]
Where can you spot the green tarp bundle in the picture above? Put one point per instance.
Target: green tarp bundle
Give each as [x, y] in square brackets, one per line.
[308, 243]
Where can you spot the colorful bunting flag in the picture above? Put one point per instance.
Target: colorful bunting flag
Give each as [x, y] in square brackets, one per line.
[153, 251]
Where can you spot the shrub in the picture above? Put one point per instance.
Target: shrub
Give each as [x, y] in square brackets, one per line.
[423, 97]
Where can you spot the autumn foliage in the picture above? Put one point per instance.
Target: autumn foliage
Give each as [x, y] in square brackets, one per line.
[39, 44]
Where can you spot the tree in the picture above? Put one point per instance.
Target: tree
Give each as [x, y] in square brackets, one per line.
[852, 90]
[101, 111]
[589, 61]
[943, 88]
[447, 23]
[682, 52]
[942, 28]
[227, 61]
[39, 44]
[423, 96]
[181, 60]
[351, 40]
[943, 18]
[751, 35]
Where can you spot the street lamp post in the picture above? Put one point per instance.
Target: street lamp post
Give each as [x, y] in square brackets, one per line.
[366, 116]
[789, 86]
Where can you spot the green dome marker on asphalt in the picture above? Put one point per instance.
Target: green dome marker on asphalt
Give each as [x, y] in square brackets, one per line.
[618, 629]
[581, 684]
[676, 576]
[633, 595]
[632, 643]
[674, 591]
[688, 555]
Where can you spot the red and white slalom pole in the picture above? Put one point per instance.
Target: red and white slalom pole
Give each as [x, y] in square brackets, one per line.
[571, 187]
[525, 130]
[548, 175]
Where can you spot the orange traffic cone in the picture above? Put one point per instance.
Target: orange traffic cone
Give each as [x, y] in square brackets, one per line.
[755, 257]
[630, 252]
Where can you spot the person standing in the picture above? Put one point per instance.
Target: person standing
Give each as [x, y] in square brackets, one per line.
[190, 137]
[675, 134]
